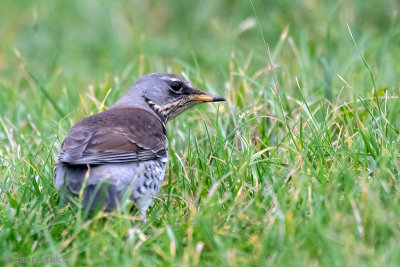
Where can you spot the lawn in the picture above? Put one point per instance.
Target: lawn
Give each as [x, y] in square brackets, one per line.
[299, 167]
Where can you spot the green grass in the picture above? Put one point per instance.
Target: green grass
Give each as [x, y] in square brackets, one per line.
[300, 167]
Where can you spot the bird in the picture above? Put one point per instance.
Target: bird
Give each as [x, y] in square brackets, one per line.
[122, 152]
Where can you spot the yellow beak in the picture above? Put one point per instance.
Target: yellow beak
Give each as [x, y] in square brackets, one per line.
[207, 98]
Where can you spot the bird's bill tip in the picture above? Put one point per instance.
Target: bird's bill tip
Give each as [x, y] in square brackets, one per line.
[208, 98]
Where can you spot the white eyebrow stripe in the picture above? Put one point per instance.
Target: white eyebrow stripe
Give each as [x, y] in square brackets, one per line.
[169, 78]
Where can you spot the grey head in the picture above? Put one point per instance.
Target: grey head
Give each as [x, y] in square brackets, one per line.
[165, 94]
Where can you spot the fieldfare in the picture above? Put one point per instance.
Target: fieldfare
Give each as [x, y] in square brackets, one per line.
[123, 151]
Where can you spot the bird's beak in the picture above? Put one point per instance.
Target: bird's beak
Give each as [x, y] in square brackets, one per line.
[204, 97]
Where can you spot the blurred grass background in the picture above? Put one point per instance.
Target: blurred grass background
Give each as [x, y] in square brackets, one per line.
[300, 169]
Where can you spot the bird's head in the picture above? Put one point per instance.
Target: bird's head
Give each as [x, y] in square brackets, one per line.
[168, 95]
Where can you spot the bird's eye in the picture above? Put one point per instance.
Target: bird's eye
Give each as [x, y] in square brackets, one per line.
[176, 86]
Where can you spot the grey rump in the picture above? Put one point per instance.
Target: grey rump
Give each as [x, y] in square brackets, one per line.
[124, 150]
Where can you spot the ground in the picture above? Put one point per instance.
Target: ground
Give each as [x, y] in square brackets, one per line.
[300, 167]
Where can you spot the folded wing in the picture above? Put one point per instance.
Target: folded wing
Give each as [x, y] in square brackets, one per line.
[120, 134]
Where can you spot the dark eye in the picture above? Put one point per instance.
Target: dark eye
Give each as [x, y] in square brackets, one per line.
[176, 86]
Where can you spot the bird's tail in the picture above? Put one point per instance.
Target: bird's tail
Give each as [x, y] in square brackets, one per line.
[69, 181]
[100, 196]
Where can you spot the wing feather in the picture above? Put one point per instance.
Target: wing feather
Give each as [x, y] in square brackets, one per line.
[120, 134]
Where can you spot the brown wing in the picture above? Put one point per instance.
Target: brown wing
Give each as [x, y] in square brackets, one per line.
[121, 134]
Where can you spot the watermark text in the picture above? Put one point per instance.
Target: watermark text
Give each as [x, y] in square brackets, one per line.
[17, 260]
